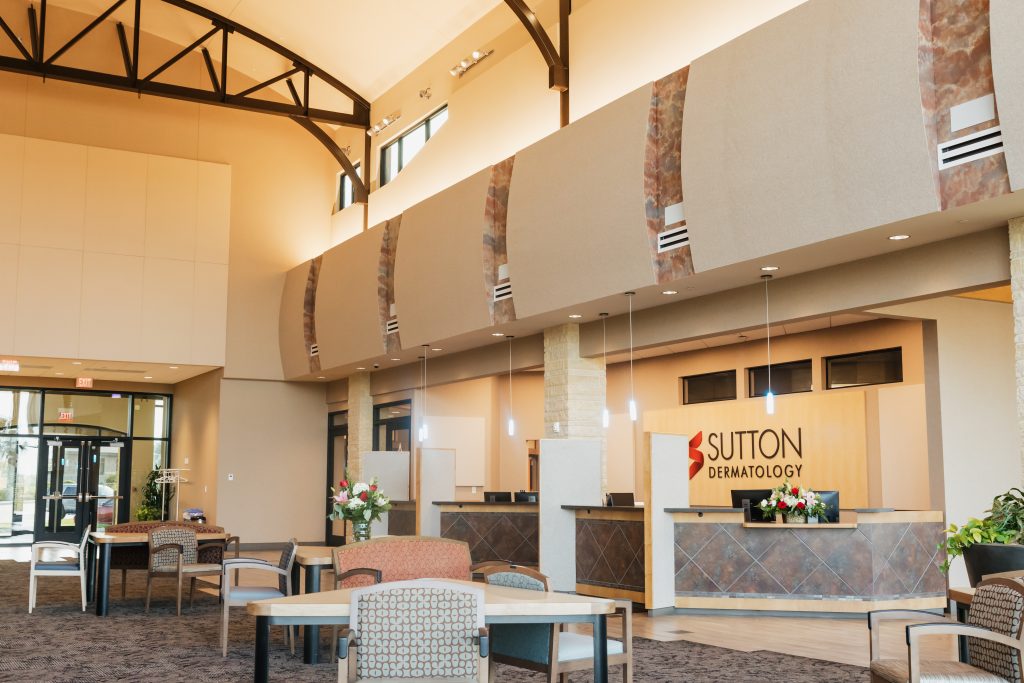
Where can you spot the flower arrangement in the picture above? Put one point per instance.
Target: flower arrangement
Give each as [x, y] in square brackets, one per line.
[793, 502]
[358, 501]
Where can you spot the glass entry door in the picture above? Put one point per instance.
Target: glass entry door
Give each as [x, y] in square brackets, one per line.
[79, 484]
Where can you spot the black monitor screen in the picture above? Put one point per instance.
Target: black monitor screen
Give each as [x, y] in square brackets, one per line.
[497, 497]
[526, 497]
[831, 500]
[622, 499]
[755, 496]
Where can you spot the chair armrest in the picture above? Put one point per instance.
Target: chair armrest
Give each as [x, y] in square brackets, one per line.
[233, 539]
[917, 631]
[236, 560]
[55, 544]
[374, 574]
[247, 564]
[484, 638]
[876, 617]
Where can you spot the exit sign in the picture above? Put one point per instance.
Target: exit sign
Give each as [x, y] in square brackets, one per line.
[83, 382]
[66, 415]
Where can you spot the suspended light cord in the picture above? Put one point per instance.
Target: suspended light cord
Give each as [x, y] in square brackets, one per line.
[511, 421]
[423, 433]
[769, 396]
[605, 417]
[632, 393]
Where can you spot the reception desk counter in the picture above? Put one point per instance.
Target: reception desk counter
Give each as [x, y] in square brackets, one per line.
[610, 560]
[873, 559]
[494, 531]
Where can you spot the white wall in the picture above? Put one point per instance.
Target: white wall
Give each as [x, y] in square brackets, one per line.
[978, 398]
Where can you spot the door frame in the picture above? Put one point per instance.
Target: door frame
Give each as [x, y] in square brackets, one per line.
[391, 425]
[334, 431]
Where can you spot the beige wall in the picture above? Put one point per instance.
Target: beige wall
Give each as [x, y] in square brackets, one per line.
[512, 470]
[195, 434]
[273, 439]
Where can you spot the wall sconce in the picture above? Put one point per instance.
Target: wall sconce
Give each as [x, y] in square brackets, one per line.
[469, 62]
[425, 94]
[383, 123]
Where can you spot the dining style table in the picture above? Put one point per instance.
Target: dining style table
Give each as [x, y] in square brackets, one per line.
[502, 605]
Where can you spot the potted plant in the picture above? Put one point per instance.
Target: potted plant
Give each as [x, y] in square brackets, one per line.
[149, 507]
[798, 505]
[360, 503]
[992, 544]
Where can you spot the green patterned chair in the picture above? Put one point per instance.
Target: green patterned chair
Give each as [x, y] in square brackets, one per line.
[416, 632]
[544, 648]
[174, 552]
[993, 631]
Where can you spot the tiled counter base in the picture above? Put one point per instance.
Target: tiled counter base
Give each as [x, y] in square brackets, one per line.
[888, 560]
[494, 531]
[610, 559]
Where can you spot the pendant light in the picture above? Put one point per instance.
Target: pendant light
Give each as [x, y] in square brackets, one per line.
[424, 431]
[769, 398]
[632, 394]
[605, 417]
[511, 421]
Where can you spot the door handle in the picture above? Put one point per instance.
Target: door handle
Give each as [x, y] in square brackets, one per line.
[89, 497]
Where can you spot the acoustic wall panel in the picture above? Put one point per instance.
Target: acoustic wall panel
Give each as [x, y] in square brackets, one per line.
[347, 317]
[808, 128]
[577, 229]
[439, 272]
[1007, 16]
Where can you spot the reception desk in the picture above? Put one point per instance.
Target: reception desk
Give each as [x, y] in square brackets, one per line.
[402, 518]
[873, 559]
[610, 554]
[494, 531]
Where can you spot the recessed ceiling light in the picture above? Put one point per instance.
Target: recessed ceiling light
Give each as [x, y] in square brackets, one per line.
[58, 373]
[148, 377]
[360, 368]
[497, 334]
[76, 362]
[437, 349]
[575, 315]
[396, 359]
[964, 220]
[321, 377]
[769, 269]
[669, 292]
[173, 367]
[897, 238]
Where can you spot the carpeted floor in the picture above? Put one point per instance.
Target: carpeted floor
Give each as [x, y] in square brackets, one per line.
[58, 642]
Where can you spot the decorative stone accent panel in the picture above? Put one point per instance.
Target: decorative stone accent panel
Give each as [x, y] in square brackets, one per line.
[386, 283]
[506, 536]
[495, 246]
[610, 553]
[873, 561]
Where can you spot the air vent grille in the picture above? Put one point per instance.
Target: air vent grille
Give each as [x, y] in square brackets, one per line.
[979, 145]
[673, 238]
[392, 326]
[314, 350]
[503, 291]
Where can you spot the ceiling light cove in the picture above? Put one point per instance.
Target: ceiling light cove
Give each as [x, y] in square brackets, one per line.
[769, 269]
[898, 238]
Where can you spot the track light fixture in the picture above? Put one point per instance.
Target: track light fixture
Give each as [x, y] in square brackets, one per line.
[383, 123]
[469, 62]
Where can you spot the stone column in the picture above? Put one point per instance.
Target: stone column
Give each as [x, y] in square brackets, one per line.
[1017, 290]
[574, 391]
[360, 421]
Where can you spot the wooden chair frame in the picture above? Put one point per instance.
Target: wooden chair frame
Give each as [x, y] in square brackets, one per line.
[33, 573]
[179, 572]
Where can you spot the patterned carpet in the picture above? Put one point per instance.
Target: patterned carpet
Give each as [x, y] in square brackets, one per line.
[58, 642]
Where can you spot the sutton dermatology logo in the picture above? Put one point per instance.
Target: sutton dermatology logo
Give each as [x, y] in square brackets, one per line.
[696, 457]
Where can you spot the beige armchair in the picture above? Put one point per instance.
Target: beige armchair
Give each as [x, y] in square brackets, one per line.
[65, 566]
[174, 552]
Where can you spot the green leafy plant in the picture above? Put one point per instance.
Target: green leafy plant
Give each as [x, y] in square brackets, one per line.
[149, 506]
[1004, 523]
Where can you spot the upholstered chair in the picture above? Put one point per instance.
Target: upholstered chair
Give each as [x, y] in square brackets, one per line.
[174, 552]
[67, 565]
[416, 632]
[544, 648]
[239, 596]
[400, 558]
[993, 631]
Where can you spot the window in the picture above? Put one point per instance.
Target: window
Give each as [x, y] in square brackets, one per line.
[345, 189]
[713, 386]
[787, 378]
[861, 369]
[396, 154]
[392, 424]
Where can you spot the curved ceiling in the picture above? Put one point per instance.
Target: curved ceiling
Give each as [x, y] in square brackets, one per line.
[369, 46]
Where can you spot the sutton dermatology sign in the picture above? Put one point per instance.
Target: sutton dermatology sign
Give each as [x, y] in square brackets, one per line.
[816, 439]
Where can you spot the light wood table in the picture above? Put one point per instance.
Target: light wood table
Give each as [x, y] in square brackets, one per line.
[99, 580]
[314, 558]
[501, 606]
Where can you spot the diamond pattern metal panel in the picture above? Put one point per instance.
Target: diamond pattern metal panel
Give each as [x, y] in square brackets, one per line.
[507, 536]
[873, 561]
[610, 553]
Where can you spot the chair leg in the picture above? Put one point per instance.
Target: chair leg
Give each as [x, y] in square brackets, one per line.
[82, 581]
[564, 678]
[31, 591]
[224, 628]
[191, 592]
[124, 582]
[627, 672]
[149, 589]
[179, 593]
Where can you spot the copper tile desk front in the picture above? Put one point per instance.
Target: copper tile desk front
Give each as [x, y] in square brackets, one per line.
[494, 531]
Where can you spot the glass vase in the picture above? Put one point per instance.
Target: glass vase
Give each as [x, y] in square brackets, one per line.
[796, 519]
[360, 530]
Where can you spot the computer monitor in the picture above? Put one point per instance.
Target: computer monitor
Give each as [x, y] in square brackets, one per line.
[755, 496]
[621, 499]
[497, 496]
[527, 497]
[831, 501]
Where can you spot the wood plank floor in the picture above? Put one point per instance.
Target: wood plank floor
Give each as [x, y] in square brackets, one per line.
[843, 640]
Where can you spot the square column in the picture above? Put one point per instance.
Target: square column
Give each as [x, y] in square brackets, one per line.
[360, 422]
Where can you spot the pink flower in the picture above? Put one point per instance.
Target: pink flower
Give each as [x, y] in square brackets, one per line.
[342, 497]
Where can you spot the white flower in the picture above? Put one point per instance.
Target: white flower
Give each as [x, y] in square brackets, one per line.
[383, 500]
[360, 487]
[355, 504]
[764, 503]
[366, 515]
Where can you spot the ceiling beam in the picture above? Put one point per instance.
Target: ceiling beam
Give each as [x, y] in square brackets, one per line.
[557, 59]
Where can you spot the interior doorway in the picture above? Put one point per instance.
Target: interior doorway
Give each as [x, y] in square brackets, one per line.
[337, 463]
[81, 482]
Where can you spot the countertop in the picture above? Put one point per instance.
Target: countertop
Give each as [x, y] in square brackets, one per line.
[479, 502]
[603, 507]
